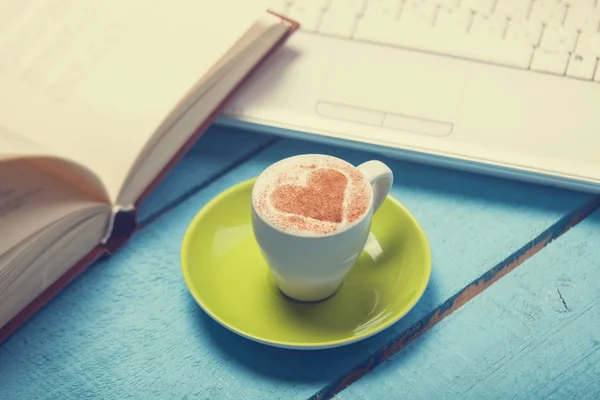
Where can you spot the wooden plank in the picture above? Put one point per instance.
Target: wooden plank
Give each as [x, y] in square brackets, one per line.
[535, 334]
[217, 151]
[129, 328]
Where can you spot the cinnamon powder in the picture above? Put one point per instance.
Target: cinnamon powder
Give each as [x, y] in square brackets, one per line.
[332, 195]
[322, 199]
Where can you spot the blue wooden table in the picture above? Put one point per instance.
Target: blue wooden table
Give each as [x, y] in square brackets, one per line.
[511, 310]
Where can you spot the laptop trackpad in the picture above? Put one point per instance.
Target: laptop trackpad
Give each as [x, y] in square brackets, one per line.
[397, 89]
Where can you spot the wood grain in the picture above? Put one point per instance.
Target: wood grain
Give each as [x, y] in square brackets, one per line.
[458, 300]
[533, 335]
[128, 328]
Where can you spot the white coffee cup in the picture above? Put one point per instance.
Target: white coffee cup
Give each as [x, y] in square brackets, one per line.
[312, 268]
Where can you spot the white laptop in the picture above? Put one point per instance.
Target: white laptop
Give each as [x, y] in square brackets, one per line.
[507, 87]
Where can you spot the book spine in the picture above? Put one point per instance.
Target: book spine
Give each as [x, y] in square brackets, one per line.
[123, 225]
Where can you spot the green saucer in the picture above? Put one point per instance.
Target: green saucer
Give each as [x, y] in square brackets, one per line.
[228, 277]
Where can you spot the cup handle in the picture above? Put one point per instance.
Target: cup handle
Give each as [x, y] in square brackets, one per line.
[381, 178]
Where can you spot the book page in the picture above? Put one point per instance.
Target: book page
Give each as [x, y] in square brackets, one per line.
[228, 73]
[31, 201]
[14, 146]
[92, 80]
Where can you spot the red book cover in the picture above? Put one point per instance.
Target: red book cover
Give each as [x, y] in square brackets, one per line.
[125, 224]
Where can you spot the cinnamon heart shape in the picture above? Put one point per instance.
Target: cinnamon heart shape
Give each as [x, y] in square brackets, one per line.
[321, 199]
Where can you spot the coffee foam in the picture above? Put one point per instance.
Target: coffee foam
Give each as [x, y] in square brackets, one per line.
[293, 175]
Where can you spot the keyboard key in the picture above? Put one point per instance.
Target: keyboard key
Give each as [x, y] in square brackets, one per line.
[558, 39]
[513, 9]
[379, 18]
[373, 29]
[453, 20]
[478, 6]
[553, 62]
[490, 26]
[389, 9]
[584, 19]
[341, 24]
[279, 6]
[581, 66]
[446, 3]
[377, 23]
[430, 2]
[356, 7]
[548, 12]
[583, 3]
[308, 13]
[464, 46]
[597, 75]
[324, 4]
[419, 14]
[521, 31]
[588, 44]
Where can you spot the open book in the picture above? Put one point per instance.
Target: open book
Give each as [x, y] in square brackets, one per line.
[98, 99]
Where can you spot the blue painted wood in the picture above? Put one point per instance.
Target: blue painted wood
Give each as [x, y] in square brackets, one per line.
[129, 328]
[217, 151]
[533, 335]
[454, 302]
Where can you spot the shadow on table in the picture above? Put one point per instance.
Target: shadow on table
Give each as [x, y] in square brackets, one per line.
[304, 366]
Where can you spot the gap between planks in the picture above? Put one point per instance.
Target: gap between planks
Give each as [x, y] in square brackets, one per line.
[439, 313]
[458, 300]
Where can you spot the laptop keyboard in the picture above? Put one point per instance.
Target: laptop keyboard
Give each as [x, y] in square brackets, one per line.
[559, 37]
